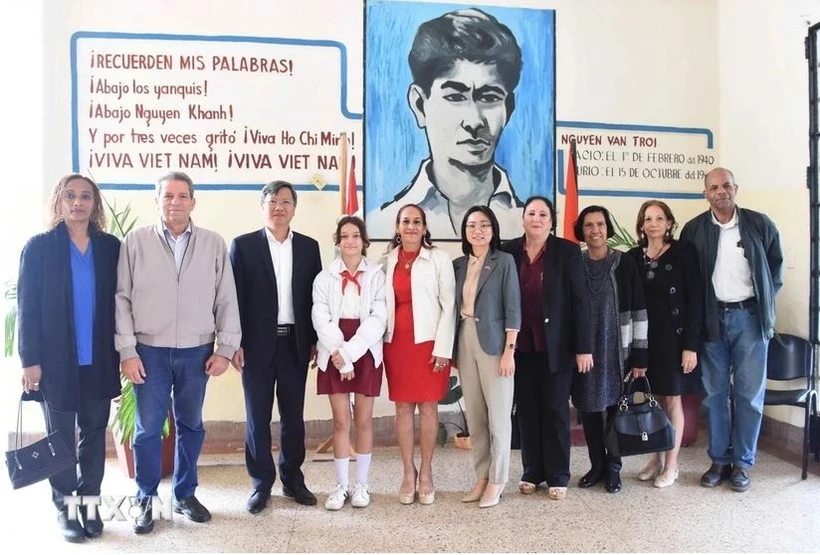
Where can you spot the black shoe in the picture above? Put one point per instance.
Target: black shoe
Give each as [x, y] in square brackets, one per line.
[144, 523]
[71, 529]
[591, 478]
[739, 481]
[716, 475]
[613, 482]
[258, 501]
[93, 526]
[300, 494]
[191, 508]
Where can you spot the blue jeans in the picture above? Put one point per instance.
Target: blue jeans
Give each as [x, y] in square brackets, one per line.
[183, 372]
[740, 357]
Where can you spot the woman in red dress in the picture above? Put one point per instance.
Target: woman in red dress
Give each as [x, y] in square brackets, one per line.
[418, 345]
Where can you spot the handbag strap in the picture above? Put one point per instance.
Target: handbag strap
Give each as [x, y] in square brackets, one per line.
[18, 441]
[626, 398]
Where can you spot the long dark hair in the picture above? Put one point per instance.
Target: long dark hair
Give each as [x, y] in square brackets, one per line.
[97, 221]
[426, 240]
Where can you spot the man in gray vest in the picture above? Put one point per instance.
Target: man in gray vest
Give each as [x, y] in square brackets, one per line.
[175, 295]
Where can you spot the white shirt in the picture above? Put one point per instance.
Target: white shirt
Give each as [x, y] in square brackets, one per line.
[732, 278]
[381, 222]
[330, 304]
[282, 256]
[179, 244]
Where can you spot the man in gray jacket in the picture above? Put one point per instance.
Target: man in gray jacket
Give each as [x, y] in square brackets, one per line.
[175, 295]
[741, 268]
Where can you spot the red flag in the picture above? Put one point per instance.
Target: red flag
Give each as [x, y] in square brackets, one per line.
[571, 195]
[352, 204]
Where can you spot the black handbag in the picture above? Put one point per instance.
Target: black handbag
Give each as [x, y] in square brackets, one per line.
[40, 460]
[639, 428]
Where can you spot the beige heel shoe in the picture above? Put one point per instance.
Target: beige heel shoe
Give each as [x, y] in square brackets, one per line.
[427, 498]
[407, 498]
[650, 471]
[475, 494]
[666, 479]
[492, 496]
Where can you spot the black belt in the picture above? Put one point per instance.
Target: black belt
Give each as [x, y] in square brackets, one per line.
[284, 329]
[737, 305]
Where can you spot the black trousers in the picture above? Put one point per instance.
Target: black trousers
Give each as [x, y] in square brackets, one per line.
[287, 376]
[542, 409]
[594, 429]
[92, 420]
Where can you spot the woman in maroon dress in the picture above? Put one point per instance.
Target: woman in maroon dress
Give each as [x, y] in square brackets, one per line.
[420, 292]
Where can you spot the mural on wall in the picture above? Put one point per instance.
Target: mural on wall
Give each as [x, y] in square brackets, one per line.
[460, 110]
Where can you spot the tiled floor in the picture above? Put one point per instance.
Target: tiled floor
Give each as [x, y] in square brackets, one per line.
[779, 513]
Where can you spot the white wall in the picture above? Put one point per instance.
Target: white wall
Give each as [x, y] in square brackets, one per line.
[716, 64]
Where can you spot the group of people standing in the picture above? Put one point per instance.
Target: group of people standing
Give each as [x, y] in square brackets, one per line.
[535, 322]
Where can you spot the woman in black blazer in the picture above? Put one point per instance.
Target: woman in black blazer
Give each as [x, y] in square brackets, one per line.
[674, 301]
[65, 304]
[553, 341]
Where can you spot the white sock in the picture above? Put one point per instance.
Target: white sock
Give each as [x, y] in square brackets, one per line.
[362, 466]
[342, 466]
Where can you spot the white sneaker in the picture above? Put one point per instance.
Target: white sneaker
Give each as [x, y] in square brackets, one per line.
[360, 497]
[336, 500]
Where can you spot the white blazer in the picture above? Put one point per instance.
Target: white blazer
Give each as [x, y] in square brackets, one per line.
[327, 304]
[433, 286]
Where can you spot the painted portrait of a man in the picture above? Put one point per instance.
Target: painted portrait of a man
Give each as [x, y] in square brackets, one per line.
[465, 68]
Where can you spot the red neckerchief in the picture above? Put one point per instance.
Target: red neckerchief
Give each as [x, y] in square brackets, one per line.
[348, 278]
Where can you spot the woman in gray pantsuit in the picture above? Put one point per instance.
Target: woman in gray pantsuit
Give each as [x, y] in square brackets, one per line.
[489, 304]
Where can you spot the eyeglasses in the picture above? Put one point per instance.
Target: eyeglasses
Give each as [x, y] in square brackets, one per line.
[71, 196]
[277, 203]
[483, 226]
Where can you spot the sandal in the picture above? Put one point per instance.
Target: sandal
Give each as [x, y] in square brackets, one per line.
[557, 493]
[526, 488]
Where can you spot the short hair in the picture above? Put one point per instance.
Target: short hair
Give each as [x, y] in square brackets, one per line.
[642, 240]
[274, 187]
[471, 35]
[495, 242]
[175, 176]
[343, 221]
[710, 172]
[97, 220]
[546, 201]
[578, 228]
[426, 240]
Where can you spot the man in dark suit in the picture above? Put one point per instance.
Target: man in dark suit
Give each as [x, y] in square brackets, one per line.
[274, 287]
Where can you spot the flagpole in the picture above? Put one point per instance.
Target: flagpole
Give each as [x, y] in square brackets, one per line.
[342, 172]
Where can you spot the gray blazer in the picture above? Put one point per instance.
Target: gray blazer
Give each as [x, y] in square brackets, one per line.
[497, 300]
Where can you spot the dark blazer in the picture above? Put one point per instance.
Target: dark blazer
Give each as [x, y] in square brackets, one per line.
[257, 295]
[45, 318]
[497, 300]
[567, 329]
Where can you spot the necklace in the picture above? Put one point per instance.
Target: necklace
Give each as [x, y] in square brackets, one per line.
[408, 263]
[651, 263]
[599, 279]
